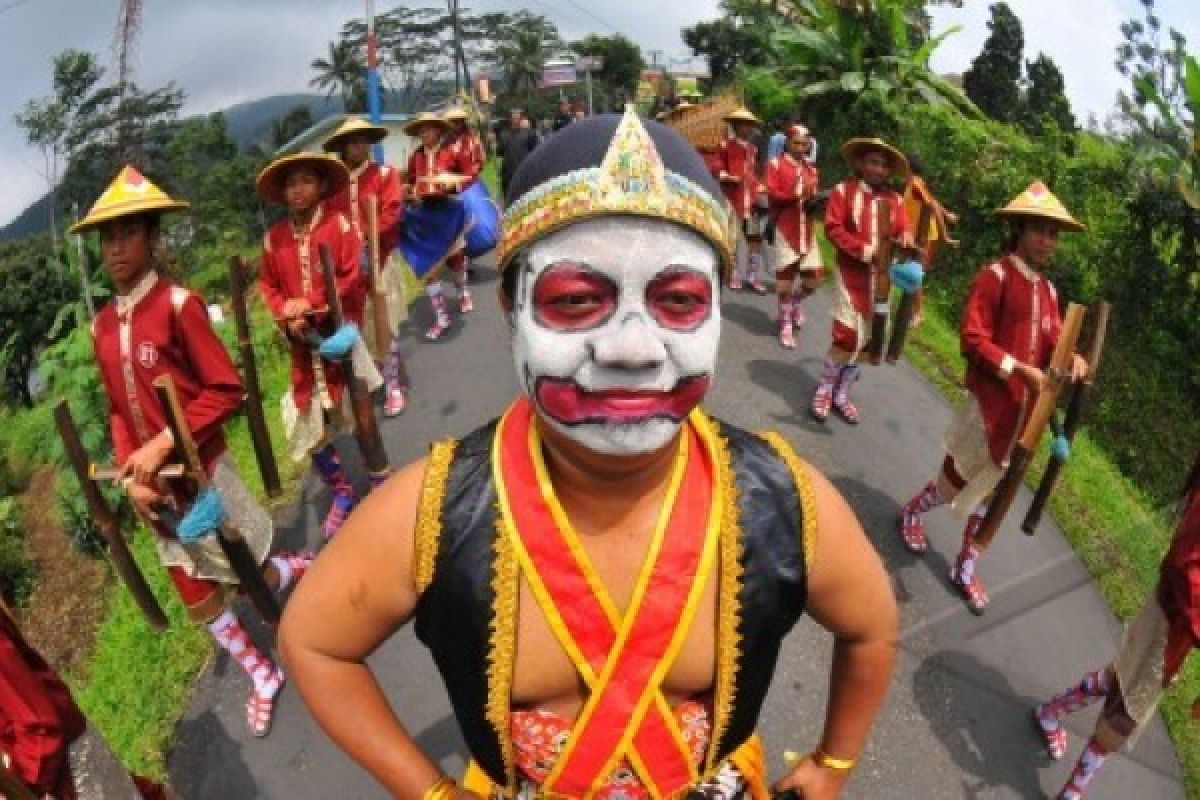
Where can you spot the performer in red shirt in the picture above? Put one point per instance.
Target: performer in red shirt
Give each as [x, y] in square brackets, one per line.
[378, 183]
[735, 166]
[1009, 331]
[1156, 644]
[792, 181]
[154, 328]
[436, 221]
[294, 290]
[45, 741]
[852, 224]
[483, 216]
[465, 147]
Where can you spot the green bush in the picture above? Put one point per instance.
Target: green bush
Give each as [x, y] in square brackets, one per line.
[17, 573]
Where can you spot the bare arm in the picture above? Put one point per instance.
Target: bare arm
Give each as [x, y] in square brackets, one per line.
[850, 595]
[356, 595]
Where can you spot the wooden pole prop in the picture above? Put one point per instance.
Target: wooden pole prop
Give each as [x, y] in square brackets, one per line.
[106, 521]
[908, 300]
[366, 427]
[264, 454]
[1074, 416]
[381, 324]
[1022, 453]
[241, 560]
[882, 283]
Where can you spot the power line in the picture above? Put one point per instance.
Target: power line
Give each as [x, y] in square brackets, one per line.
[585, 11]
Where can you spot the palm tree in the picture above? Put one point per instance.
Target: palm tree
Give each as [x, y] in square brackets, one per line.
[531, 39]
[834, 50]
[344, 73]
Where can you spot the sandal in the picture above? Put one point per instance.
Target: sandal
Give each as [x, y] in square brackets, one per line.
[1054, 738]
[786, 337]
[821, 403]
[972, 590]
[394, 403]
[846, 409]
[260, 709]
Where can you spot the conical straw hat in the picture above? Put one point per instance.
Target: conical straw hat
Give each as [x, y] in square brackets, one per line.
[456, 113]
[1039, 201]
[855, 147]
[743, 114]
[129, 194]
[354, 126]
[270, 181]
[424, 118]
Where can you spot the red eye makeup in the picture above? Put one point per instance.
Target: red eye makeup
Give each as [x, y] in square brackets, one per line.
[680, 299]
[571, 297]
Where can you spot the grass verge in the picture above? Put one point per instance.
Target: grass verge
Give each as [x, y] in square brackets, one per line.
[1114, 528]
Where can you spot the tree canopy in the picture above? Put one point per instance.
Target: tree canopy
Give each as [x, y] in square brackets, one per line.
[994, 80]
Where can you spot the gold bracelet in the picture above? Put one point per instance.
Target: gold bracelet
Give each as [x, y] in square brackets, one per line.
[823, 759]
[444, 789]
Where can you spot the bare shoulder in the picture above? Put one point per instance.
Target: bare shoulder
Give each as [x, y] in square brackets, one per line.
[848, 587]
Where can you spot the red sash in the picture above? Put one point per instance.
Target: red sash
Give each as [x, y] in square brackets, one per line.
[623, 660]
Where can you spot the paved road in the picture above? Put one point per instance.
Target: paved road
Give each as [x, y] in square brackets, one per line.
[957, 722]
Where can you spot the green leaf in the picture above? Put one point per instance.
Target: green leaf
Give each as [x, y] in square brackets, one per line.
[1191, 82]
[853, 82]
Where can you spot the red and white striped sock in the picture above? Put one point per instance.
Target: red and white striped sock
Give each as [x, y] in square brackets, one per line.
[291, 568]
[925, 500]
[1090, 762]
[230, 634]
[1093, 687]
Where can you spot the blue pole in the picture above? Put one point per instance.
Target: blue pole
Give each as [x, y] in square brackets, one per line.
[374, 103]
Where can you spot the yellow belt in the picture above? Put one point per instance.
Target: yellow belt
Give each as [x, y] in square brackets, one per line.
[749, 759]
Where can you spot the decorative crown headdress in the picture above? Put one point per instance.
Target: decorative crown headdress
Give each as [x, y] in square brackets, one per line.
[631, 180]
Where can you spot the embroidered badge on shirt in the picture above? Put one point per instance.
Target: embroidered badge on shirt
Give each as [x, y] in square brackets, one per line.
[147, 355]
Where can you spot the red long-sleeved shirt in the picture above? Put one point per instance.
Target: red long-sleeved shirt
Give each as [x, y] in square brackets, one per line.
[167, 332]
[1011, 316]
[291, 268]
[736, 159]
[468, 154]
[850, 226]
[785, 176]
[424, 162]
[1179, 584]
[38, 718]
[371, 180]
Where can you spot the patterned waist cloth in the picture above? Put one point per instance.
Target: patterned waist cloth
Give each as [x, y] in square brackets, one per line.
[539, 738]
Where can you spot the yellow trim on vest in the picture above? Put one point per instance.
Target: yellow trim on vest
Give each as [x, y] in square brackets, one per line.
[502, 649]
[808, 499]
[428, 533]
[729, 588]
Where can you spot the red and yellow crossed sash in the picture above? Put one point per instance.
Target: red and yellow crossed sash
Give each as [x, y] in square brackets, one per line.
[623, 660]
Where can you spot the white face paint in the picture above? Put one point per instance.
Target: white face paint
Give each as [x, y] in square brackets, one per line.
[617, 323]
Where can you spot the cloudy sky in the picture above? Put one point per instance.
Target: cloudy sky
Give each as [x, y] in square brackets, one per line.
[228, 51]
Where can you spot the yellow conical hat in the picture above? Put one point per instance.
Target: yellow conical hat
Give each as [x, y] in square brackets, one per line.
[1039, 201]
[269, 184]
[129, 193]
[424, 118]
[454, 113]
[354, 126]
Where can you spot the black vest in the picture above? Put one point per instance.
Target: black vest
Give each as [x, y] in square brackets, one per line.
[454, 614]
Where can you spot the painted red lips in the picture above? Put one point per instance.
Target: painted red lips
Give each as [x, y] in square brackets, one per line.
[568, 403]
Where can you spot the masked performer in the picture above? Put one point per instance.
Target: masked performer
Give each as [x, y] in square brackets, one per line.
[377, 184]
[792, 183]
[859, 209]
[155, 328]
[735, 166]
[1009, 329]
[294, 290]
[606, 573]
[436, 220]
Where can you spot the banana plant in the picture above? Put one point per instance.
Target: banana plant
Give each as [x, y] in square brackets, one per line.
[1177, 153]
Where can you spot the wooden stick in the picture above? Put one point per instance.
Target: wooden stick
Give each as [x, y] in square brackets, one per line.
[1022, 453]
[241, 560]
[114, 474]
[882, 296]
[908, 300]
[106, 521]
[381, 324]
[366, 427]
[260, 435]
[1074, 416]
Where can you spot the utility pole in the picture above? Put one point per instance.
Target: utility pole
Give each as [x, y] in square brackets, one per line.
[374, 106]
[460, 56]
